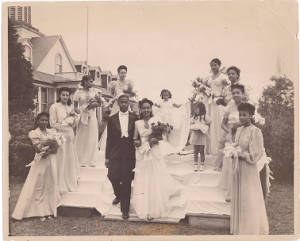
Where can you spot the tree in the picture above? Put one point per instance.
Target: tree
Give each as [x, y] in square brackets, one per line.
[277, 106]
[20, 87]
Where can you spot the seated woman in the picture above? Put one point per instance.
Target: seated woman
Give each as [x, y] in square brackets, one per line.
[40, 194]
[248, 211]
[122, 86]
[156, 194]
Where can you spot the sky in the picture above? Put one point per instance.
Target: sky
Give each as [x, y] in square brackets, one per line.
[167, 44]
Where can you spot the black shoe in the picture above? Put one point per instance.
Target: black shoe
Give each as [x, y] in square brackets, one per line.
[125, 216]
[116, 201]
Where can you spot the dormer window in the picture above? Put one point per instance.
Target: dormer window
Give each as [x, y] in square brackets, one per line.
[27, 53]
[58, 63]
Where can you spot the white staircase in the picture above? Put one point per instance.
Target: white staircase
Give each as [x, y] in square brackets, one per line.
[206, 201]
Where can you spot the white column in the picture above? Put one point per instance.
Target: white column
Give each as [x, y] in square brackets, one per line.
[40, 98]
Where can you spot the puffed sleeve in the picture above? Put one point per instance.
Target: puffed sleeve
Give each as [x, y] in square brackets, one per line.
[76, 95]
[54, 122]
[34, 137]
[207, 119]
[130, 84]
[256, 146]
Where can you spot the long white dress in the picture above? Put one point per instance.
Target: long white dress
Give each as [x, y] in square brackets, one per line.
[248, 210]
[86, 140]
[232, 115]
[40, 194]
[68, 166]
[155, 194]
[179, 118]
[217, 83]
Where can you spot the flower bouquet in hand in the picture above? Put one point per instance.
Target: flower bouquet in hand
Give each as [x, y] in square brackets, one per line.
[94, 101]
[44, 149]
[159, 129]
[201, 87]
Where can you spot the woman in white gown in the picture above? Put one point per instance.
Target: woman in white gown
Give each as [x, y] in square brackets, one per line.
[248, 210]
[156, 194]
[40, 194]
[230, 124]
[122, 86]
[218, 82]
[62, 118]
[86, 100]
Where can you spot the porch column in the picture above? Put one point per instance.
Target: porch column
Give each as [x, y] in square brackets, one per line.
[40, 98]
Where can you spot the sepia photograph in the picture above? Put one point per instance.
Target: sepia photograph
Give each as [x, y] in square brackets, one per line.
[163, 119]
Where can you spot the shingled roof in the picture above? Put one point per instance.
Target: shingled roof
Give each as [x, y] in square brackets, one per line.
[50, 78]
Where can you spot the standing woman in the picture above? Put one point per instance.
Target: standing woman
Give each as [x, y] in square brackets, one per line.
[122, 86]
[62, 118]
[40, 194]
[230, 124]
[233, 74]
[248, 211]
[218, 82]
[86, 101]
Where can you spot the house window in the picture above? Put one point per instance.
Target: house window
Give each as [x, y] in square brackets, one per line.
[104, 81]
[98, 75]
[12, 13]
[20, 14]
[44, 99]
[78, 68]
[58, 63]
[27, 53]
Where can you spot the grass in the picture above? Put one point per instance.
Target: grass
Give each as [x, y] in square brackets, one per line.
[279, 208]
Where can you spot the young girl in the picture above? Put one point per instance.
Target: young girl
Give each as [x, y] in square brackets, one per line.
[40, 194]
[199, 126]
[166, 107]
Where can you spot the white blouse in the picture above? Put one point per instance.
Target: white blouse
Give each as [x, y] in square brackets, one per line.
[59, 114]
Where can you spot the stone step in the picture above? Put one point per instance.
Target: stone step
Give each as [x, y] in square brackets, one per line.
[89, 185]
[96, 173]
[208, 177]
[80, 199]
[204, 193]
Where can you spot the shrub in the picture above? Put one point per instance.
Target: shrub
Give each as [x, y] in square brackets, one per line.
[277, 106]
[21, 151]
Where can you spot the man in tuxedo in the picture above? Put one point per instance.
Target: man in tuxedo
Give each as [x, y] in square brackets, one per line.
[120, 154]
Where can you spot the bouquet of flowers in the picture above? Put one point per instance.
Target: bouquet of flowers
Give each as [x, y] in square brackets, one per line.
[158, 130]
[46, 148]
[201, 87]
[70, 119]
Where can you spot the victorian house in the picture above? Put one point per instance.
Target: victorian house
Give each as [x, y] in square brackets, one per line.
[52, 64]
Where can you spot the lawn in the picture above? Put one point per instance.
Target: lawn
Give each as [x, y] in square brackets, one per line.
[279, 208]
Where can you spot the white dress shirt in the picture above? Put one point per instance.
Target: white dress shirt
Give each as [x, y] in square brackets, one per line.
[124, 118]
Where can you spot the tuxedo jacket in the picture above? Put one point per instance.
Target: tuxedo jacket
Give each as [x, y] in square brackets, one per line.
[120, 152]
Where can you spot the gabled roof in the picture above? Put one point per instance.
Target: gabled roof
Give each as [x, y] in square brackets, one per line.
[40, 48]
